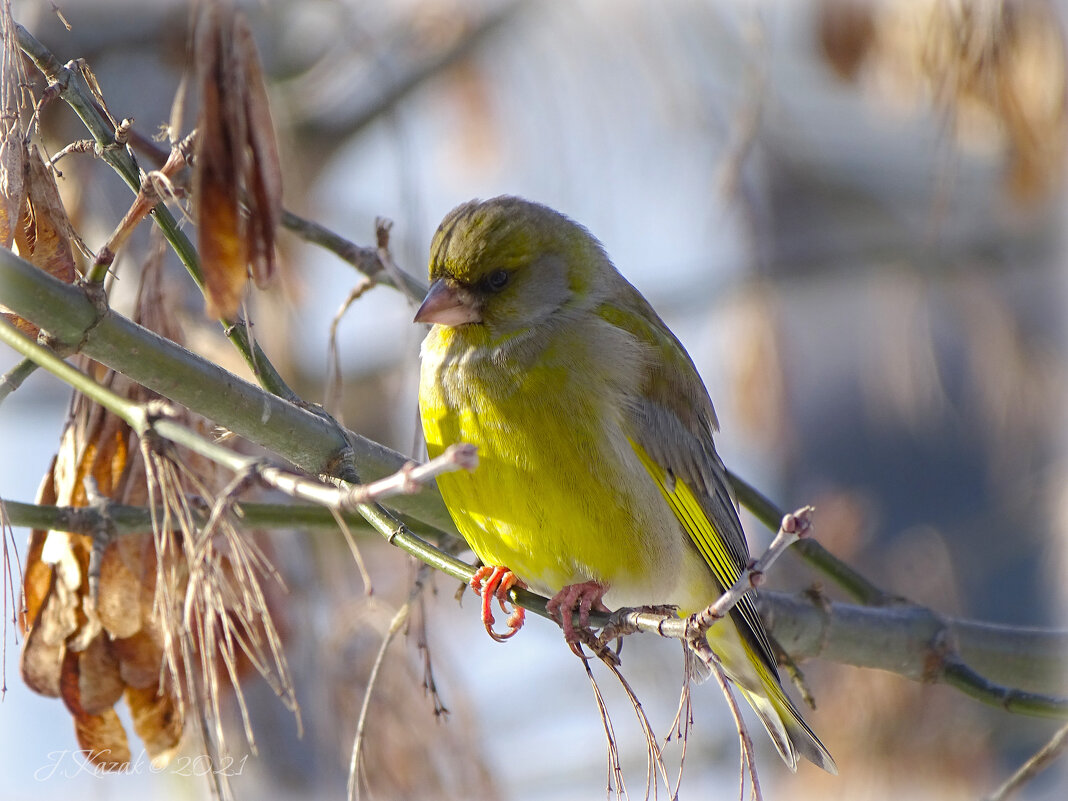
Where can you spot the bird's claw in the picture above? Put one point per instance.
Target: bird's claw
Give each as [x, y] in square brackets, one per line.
[579, 599]
[496, 582]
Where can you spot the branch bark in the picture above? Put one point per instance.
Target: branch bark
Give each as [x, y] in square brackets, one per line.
[310, 440]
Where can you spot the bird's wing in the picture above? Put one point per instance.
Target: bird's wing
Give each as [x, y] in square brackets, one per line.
[671, 421]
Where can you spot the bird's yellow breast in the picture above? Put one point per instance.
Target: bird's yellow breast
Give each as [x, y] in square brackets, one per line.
[558, 496]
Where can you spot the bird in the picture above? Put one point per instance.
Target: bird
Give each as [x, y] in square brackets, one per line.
[598, 482]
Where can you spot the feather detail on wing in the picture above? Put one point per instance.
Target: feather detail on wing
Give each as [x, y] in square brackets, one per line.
[670, 422]
[713, 547]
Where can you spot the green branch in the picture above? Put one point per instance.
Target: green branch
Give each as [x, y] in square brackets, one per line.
[138, 519]
[985, 660]
[312, 441]
[848, 579]
[141, 419]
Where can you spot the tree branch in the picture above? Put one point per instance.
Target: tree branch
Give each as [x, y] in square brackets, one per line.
[849, 580]
[365, 259]
[138, 519]
[312, 441]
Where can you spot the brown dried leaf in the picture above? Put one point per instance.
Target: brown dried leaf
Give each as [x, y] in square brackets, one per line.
[68, 684]
[37, 576]
[60, 624]
[158, 722]
[220, 157]
[110, 452]
[94, 443]
[41, 659]
[42, 234]
[46, 235]
[99, 682]
[118, 602]
[36, 580]
[237, 161]
[90, 655]
[103, 737]
[264, 178]
[51, 613]
[67, 489]
[149, 577]
[12, 183]
[61, 615]
[139, 658]
[12, 145]
[222, 249]
[40, 662]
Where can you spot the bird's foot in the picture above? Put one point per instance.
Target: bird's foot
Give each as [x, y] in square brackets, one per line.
[495, 582]
[578, 599]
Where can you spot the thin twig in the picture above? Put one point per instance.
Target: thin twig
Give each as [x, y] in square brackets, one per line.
[13, 378]
[414, 294]
[364, 259]
[1033, 766]
[681, 725]
[395, 625]
[411, 478]
[333, 375]
[849, 580]
[354, 549]
[745, 741]
[13, 587]
[422, 644]
[654, 756]
[794, 526]
[616, 784]
[155, 188]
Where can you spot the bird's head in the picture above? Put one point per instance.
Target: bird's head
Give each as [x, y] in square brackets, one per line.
[509, 265]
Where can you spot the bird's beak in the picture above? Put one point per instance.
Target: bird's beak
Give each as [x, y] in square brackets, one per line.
[448, 303]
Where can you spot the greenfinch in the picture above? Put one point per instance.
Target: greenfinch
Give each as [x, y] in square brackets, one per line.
[598, 481]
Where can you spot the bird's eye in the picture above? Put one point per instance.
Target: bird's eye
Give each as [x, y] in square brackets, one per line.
[497, 280]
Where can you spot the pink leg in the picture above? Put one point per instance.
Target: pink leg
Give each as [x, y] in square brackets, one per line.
[580, 599]
[495, 582]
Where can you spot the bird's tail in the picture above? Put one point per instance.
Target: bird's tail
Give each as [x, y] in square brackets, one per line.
[787, 728]
[758, 682]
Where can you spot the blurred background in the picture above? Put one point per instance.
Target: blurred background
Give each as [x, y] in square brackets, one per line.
[852, 215]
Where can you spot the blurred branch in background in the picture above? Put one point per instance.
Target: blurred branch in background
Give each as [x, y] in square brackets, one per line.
[1035, 765]
[346, 92]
